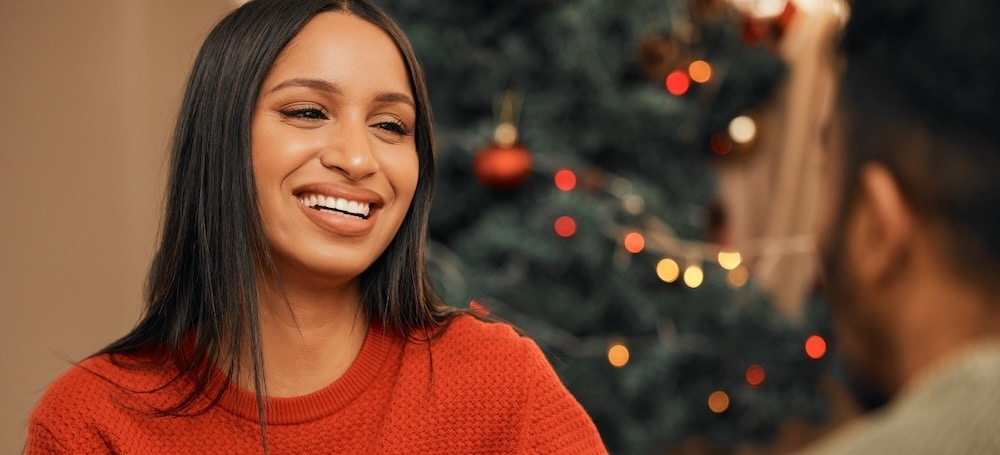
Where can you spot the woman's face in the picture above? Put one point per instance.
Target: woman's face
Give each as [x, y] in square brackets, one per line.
[333, 151]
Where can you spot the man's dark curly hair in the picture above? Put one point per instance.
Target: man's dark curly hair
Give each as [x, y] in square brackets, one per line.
[920, 95]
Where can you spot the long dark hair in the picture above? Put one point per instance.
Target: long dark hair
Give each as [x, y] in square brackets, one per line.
[201, 290]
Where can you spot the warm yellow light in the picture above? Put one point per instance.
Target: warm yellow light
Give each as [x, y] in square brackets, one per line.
[694, 276]
[668, 270]
[700, 71]
[742, 129]
[730, 259]
[761, 9]
[618, 355]
[505, 134]
[738, 277]
[718, 402]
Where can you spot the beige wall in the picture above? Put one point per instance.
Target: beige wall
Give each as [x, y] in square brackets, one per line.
[88, 92]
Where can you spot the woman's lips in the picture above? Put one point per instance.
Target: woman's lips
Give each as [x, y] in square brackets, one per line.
[340, 210]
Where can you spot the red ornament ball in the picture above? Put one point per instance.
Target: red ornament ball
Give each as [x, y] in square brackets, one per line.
[502, 167]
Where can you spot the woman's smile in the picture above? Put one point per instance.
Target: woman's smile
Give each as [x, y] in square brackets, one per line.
[342, 211]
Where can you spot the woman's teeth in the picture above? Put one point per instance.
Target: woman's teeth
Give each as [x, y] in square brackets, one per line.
[333, 204]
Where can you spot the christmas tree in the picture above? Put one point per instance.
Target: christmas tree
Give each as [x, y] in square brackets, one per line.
[575, 196]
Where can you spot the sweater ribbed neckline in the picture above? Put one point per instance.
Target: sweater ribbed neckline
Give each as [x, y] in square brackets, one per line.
[377, 348]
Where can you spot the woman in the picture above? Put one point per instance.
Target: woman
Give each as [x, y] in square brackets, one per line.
[289, 309]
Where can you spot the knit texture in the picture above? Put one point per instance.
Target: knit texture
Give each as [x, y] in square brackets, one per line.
[478, 388]
[951, 410]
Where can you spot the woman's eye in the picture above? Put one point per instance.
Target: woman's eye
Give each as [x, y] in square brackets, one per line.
[307, 113]
[395, 127]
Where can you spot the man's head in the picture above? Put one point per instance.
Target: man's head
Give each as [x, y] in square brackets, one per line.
[914, 173]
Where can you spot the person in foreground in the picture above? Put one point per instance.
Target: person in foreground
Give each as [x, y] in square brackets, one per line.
[289, 310]
[911, 250]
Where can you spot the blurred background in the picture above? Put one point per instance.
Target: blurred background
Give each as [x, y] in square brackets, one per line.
[629, 182]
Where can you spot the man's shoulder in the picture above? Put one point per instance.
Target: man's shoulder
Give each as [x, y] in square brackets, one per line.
[952, 411]
[898, 433]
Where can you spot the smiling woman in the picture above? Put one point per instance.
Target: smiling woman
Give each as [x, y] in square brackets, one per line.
[288, 306]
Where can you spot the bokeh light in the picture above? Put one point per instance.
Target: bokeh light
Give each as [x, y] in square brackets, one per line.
[634, 204]
[678, 83]
[730, 259]
[634, 242]
[565, 226]
[565, 179]
[761, 9]
[742, 129]
[718, 402]
[815, 347]
[700, 71]
[694, 276]
[755, 375]
[721, 144]
[738, 277]
[668, 270]
[618, 355]
[505, 134]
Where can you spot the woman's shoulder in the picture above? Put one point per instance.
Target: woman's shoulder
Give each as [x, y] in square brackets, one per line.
[82, 379]
[93, 399]
[471, 345]
[98, 382]
[492, 369]
[467, 332]
[471, 324]
[75, 398]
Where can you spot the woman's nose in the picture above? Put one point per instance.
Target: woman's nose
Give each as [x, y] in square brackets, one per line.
[349, 150]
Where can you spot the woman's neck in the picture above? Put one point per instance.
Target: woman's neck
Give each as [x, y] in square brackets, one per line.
[310, 337]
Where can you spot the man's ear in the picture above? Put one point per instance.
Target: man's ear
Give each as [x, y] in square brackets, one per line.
[882, 225]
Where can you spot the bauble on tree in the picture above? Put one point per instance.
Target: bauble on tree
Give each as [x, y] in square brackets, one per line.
[505, 163]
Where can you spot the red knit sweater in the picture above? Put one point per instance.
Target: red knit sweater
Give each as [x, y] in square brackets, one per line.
[482, 389]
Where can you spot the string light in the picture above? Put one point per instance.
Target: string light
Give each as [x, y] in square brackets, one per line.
[694, 276]
[565, 226]
[815, 347]
[761, 9]
[729, 260]
[618, 355]
[738, 277]
[755, 375]
[700, 71]
[634, 242]
[721, 144]
[565, 179]
[668, 270]
[742, 129]
[659, 237]
[718, 402]
[678, 83]
[634, 204]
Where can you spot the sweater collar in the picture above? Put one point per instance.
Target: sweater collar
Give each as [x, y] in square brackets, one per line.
[377, 348]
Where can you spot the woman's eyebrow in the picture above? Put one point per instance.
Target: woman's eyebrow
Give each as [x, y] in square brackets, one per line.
[395, 97]
[327, 86]
[318, 84]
